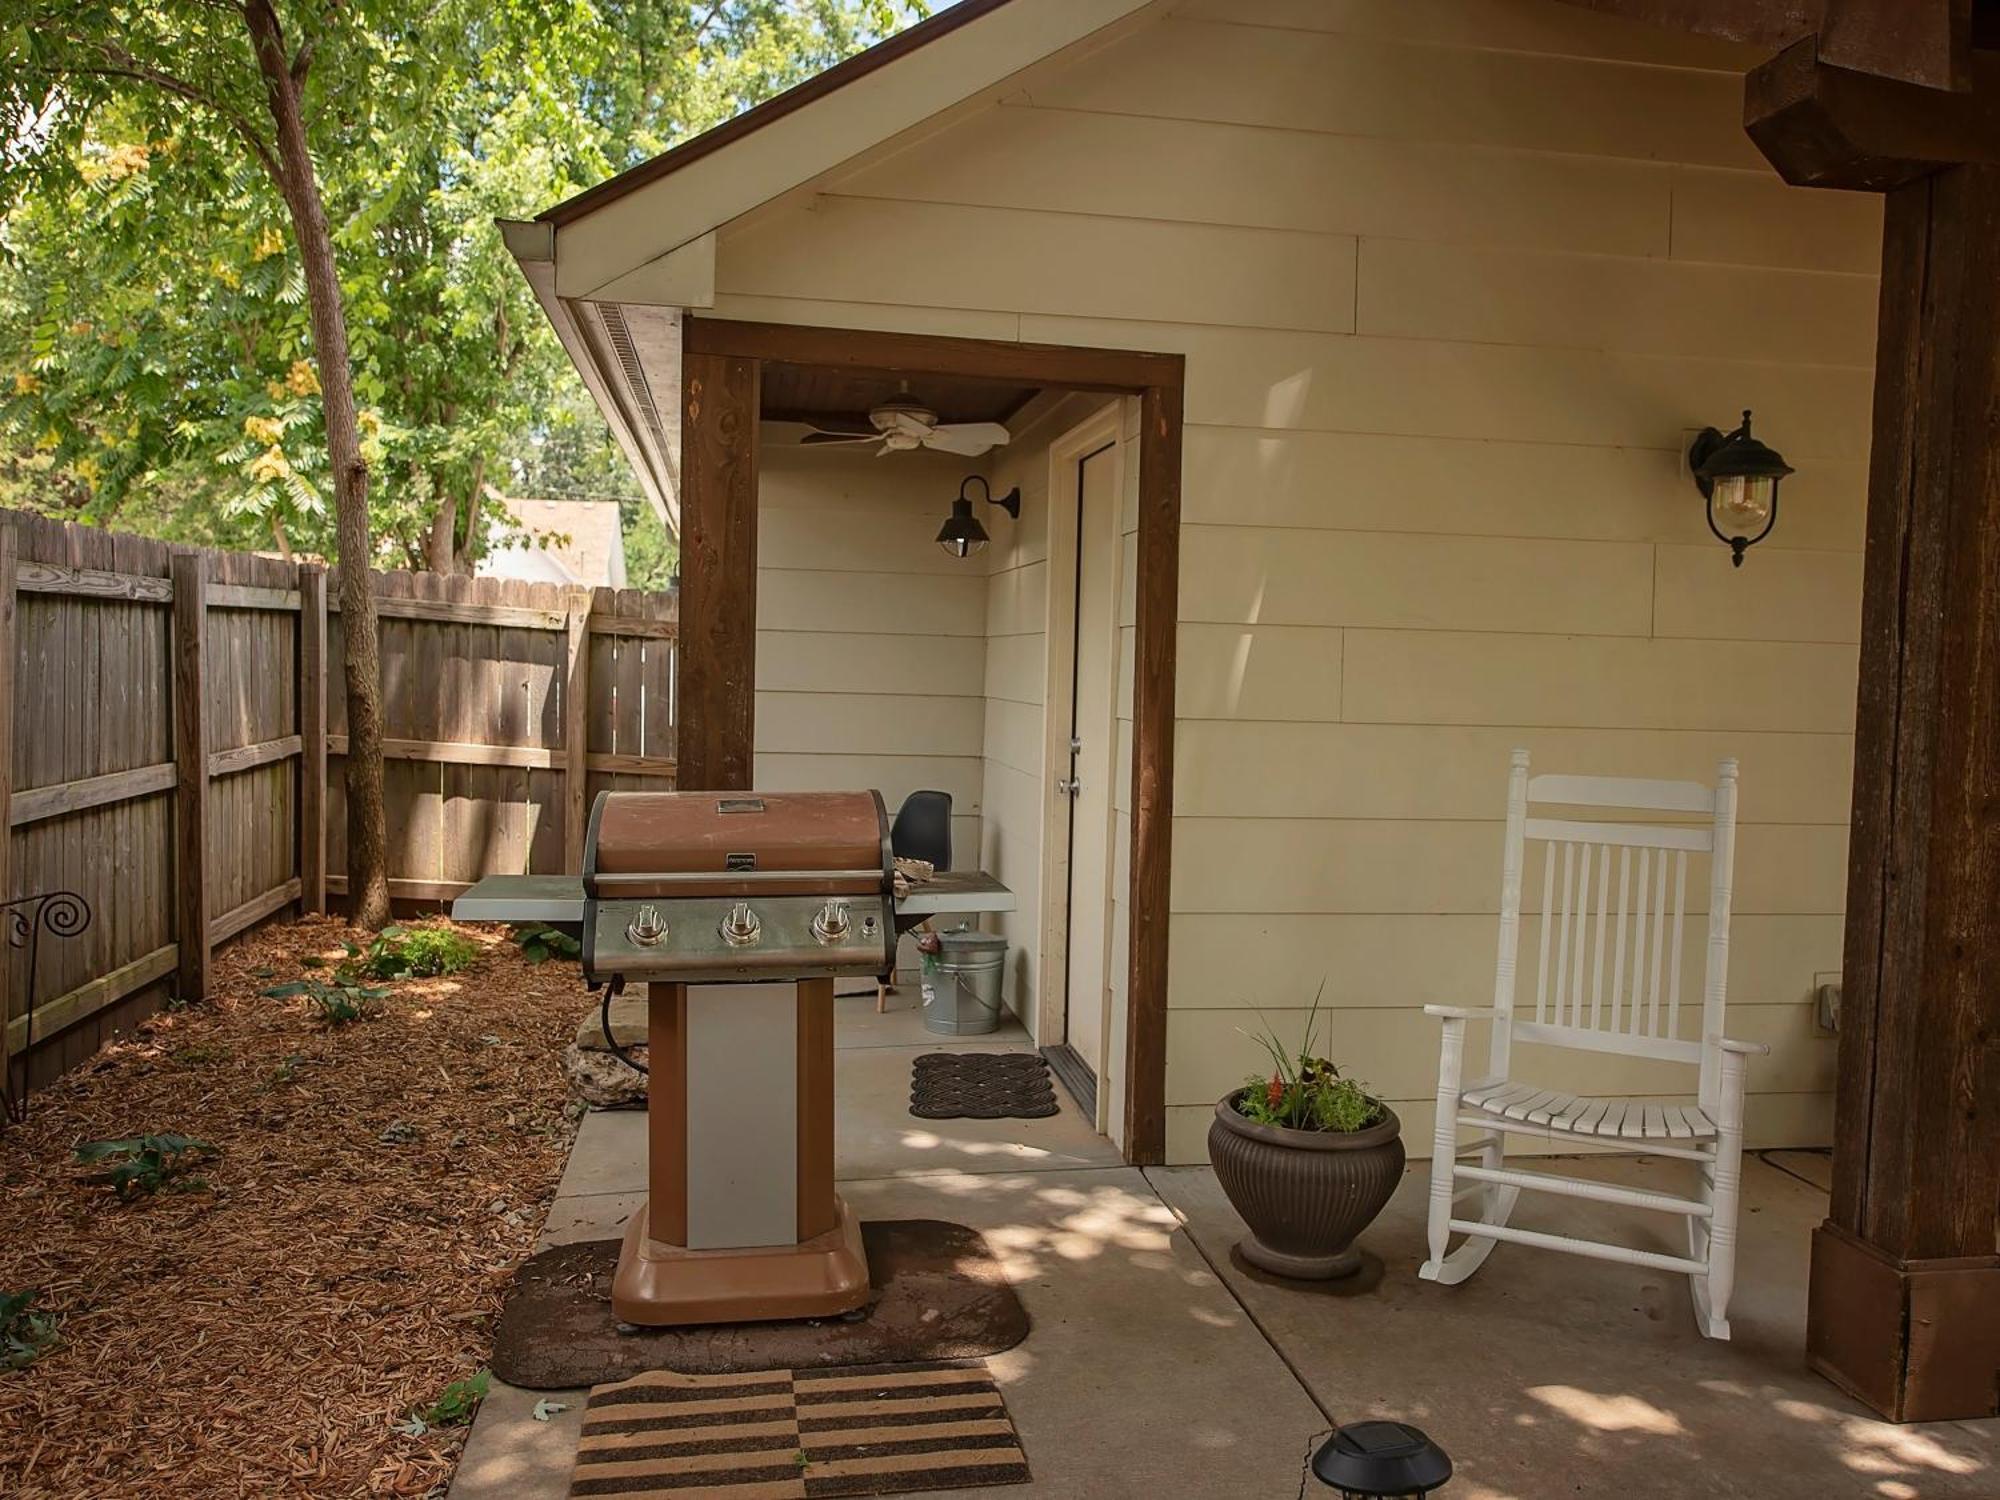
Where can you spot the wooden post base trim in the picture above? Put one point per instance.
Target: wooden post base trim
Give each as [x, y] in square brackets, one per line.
[1918, 1341]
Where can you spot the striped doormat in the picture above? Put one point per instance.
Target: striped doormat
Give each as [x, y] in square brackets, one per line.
[798, 1434]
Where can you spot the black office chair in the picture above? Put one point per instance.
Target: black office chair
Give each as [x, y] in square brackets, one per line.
[922, 829]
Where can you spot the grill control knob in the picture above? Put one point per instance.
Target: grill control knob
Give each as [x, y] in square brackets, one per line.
[830, 924]
[647, 929]
[740, 928]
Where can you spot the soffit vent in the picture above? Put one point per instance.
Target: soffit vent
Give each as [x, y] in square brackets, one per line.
[612, 316]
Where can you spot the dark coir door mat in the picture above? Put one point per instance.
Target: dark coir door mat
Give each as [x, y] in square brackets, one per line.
[937, 1292]
[981, 1086]
[798, 1434]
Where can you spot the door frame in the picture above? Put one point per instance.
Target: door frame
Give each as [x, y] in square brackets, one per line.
[721, 370]
[1103, 429]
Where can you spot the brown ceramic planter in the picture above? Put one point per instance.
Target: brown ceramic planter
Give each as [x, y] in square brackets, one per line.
[1304, 1193]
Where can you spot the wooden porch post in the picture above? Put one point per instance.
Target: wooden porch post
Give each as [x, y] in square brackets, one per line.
[720, 397]
[1905, 1293]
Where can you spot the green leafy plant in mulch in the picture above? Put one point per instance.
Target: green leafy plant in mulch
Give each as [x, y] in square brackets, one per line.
[541, 942]
[25, 1335]
[336, 1002]
[453, 1408]
[1304, 1091]
[139, 1166]
[411, 953]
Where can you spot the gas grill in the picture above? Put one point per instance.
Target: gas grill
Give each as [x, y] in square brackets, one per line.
[737, 912]
[689, 887]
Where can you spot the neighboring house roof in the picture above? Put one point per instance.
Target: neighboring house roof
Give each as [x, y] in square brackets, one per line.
[587, 543]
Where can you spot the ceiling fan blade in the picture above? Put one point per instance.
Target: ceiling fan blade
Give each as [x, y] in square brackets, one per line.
[841, 426]
[903, 422]
[967, 439]
[841, 439]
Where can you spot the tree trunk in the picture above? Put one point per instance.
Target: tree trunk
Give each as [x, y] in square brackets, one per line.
[367, 839]
[468, 555]
[440, 546]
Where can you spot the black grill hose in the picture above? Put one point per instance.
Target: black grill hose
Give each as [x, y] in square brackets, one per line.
[611, 992]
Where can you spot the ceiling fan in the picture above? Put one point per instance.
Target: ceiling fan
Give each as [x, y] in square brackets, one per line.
[902, 424]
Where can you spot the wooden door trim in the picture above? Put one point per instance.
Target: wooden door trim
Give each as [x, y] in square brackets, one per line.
[718, 613]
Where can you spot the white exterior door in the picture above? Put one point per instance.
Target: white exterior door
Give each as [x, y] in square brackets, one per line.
[1092, 747]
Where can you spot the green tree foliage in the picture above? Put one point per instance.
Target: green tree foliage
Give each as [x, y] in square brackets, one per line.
[157, 367]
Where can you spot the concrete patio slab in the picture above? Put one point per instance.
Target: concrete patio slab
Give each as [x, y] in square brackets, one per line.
[875, 1135]
[609, 1155]
[1141, 1375]
[598, 1216]
[1551, 1375]
[1815, 1167]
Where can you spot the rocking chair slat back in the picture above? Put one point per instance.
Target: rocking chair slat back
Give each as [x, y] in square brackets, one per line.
[1614, 915]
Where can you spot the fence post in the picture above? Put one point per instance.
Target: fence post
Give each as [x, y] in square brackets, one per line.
[9, 645]
[312, 731]
[576, 729]
[190, 575]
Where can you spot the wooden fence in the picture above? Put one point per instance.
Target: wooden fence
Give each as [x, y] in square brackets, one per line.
[123, 661]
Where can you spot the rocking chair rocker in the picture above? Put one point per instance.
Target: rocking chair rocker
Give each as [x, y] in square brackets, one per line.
[1608, 981]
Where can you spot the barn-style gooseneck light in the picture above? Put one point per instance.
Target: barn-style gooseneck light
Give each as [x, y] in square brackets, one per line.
[1738, 477]
[1375, 1460]
[962, 535]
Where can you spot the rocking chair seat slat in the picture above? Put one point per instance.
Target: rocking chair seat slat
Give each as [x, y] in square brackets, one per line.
[1582, 1115]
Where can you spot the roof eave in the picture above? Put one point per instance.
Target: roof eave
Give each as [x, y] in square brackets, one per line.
[532, 244]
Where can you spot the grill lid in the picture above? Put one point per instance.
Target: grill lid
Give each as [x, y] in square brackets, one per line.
[737, 843]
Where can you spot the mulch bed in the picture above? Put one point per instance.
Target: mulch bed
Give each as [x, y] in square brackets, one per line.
[377, 1185]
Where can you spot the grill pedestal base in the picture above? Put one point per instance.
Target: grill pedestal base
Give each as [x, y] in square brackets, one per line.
[660, 1285]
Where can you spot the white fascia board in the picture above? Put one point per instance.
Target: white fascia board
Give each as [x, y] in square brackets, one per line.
[533, 247]
[626, 233]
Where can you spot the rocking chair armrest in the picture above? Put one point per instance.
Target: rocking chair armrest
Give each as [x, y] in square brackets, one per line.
[1743, 1049]
[1460, 1012]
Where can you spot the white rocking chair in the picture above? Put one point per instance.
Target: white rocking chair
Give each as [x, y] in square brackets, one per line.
[1608, 981]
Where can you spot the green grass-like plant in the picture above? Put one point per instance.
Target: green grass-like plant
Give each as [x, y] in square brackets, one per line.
[412, 953]
[139, 1166]
[1304, 1091]
[455, 1406]
[336, 1003]
[25, 1335]
[541, 942]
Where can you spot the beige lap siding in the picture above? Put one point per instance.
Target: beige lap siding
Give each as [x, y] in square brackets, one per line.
[1455, 279]
[870, 641]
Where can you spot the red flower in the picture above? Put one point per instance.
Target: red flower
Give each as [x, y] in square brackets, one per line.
[1274, 1092]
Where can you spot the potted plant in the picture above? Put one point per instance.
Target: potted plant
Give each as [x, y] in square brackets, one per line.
[1308, 1157]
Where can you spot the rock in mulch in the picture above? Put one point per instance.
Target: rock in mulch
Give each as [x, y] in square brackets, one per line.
[594, 1073]
[602, 1081]
[628, 1024]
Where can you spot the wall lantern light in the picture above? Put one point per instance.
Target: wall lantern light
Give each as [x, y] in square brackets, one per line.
[962, 535]
[1738, 477]
[1366, 1460]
